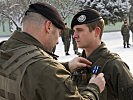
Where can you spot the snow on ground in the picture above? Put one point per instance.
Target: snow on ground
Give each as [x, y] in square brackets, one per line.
[113, 41]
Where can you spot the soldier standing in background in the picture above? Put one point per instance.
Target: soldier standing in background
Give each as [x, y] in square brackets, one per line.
[66, 38]
[125, 33]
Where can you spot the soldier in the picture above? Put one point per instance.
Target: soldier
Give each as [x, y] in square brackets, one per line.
[66, 38]
[88, 28]
[125, 33]
[27, 68]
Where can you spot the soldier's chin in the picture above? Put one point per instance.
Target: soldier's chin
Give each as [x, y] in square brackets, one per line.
[78, 46]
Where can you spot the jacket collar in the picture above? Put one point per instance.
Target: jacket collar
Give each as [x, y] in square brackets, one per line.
[28, 39]
[96, 53]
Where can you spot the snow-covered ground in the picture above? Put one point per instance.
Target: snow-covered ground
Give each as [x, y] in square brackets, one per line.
[113, 41]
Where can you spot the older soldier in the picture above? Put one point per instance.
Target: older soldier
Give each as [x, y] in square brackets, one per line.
[27, 68]
[88, 28]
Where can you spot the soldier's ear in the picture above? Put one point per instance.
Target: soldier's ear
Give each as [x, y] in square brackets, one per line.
[47, 26]
[97, 31]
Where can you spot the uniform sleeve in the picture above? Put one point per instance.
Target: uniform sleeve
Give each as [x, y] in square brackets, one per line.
[56, 84]
[121, 80]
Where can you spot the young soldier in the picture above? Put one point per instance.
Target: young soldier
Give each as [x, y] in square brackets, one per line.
[88, 28]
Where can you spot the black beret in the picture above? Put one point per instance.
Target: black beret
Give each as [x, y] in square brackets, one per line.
[85, 16]
[48, 12]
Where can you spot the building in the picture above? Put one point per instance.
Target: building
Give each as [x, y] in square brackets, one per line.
[4, 28]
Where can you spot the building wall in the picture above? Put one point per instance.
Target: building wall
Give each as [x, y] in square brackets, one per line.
[111, 27]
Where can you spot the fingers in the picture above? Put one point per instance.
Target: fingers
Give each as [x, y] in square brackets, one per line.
[85, 61]
[81, 65]
[99, 81]
[78, 62]
[102, 84]
[100, 75]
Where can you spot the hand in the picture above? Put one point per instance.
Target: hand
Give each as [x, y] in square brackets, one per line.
[77, 63]
[99, 81]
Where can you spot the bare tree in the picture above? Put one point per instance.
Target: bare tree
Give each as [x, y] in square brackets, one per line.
[66, 7]
[14, 9]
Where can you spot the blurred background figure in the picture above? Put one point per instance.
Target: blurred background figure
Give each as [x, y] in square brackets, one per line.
[125, 33]
[66, 38]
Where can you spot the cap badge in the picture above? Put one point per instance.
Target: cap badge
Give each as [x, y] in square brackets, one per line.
[81, 18]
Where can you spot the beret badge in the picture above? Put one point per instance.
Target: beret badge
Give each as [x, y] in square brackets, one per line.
[81, 18]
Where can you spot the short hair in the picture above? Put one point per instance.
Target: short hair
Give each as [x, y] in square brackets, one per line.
[93, 25]
[34, 18]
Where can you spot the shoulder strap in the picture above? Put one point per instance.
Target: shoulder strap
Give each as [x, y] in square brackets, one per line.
[23, 59]
[18, 63]
[103, 60]
[10, 87]
[19, 52]
[20, 77]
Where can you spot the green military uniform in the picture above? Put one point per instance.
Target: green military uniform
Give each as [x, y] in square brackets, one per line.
[66, 39]
[119, 80]
[125, 33]
[45, 79]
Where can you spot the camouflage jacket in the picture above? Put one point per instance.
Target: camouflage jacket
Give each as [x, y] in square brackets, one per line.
[45, 79]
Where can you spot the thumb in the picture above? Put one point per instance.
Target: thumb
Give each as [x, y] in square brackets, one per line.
[100, 74]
